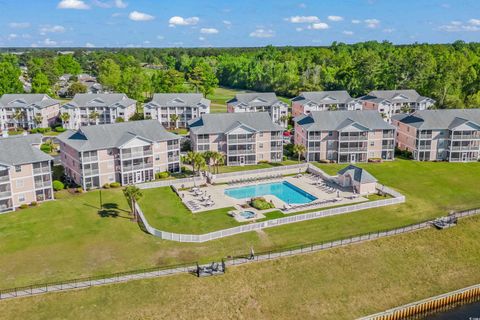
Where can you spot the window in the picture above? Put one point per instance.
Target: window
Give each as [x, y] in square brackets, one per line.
[20, 183]
[261, 134]
[21, 198]
[260, 145]
[18, 168]
[330, 133]
[372, 143]
[111, 178]
[157, 157]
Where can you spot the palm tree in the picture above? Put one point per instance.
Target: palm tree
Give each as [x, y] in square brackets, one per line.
[17, 116]
[174, 118]
[94, 116]
[133, 194]
[190, 158]
[284, 119]
[65, 117]
[38, 118]
[299, 149]
[208, 156]
[219, 159]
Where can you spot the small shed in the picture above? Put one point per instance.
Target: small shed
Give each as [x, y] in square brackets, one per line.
[360, 179]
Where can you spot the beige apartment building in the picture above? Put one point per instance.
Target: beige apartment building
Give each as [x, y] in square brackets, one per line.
[25, 172]
[185, 106]
[27, 111]
[440, 135]
[307, 102]
[260, 102]
[345, 136]
[244, 138]
[129, 153]
[87, 109]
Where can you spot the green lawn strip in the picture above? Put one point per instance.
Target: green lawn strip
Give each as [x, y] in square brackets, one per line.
[342, 283]
[226, 169]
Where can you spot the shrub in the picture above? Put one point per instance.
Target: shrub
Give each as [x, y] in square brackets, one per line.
[47, 148]
[263, 161]
[115, 185]
[261, 204]
[43, 130]
[162, 175]
[284, 158]
[60, 129]
[23, 206]
[35, 130]
[79, 190]
[33, 204]
[58, 185]
[119, 119]
[106, 186]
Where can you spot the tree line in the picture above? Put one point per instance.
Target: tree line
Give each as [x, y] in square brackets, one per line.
[449, 73]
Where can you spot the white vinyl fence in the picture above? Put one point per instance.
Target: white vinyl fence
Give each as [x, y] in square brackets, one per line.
[187, 182]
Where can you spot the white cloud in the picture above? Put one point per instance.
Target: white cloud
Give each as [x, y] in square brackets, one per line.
[140, 16]
[101, 4]
[335, 18]
[48, 42]
[19, 25]
[348, 33]
[388, 30]
[227, 22]
[52, 29]
[73, 4]
[262, 33]
[319, 26]
[475, 22]
[356, 21]
[303, 19]
[121, 4]
[209, 30]
[299, 29]
[160, 37]
[372, 23]
[12, 36]
[180, 21]
[89, 45]
[201, 38]
[472, 25]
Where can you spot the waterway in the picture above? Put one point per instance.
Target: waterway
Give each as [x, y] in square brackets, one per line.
[466, 312]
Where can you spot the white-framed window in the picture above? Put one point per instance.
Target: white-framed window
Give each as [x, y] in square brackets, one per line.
[21, 198]
[260, 145]
[111, 178]
[372, 143]
[18, 168]
[157, 157]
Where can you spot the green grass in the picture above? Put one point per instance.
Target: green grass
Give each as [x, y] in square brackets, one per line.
[343, 283]
[67, 238]
[180, 131]
[225, 169]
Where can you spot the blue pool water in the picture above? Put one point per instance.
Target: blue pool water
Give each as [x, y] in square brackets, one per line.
[285, 191]
[247, 214]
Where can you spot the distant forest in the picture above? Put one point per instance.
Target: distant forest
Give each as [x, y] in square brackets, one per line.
[449, 73]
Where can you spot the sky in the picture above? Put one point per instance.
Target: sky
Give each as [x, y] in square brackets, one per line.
[237, 23]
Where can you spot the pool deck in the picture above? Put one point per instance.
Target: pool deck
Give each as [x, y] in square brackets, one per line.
[305, 182]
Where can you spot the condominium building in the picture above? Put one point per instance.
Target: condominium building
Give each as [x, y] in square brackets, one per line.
[25, 172]
[260, 102]
[440, 135]
[182, 106]
[27, 111]
[244, 138]
[307, 102]
[345, 136]
[91, 109]
[129, 152]
[390, 102]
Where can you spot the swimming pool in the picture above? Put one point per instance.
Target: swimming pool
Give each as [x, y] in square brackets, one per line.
[285, 191]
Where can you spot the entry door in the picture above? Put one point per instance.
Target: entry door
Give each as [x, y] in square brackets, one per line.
[464, 157]
[353, 158]
[138, 177]
[242, 161]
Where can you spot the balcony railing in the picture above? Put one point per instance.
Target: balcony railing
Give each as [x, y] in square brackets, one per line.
[88, 173]
[460, 148]
[388, 136]
[276, 148]
[173, 159]
[203, 141]
[465, 137]
[425, 136]
[353, 138]
[249, 140]
[361, 149]
[5, 194]
[173, 147]
[131, 155]
[90, 159]
[41, 170]
[425, 147]
[42, 185]
[138, 167]
[235, 152]
[388, 146]
[4, 178]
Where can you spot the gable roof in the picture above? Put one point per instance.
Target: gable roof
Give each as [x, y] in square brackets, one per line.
[178, 100]
[17, 150]
[115, 135]
[404, 96]
[24, 100]
[255, 99]
[81, 100]
[224, 122]
[337, 120]
[323, 97]
[440, 119]
[358, 174]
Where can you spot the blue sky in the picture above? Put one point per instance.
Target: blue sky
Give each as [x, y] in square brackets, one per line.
[190, 23]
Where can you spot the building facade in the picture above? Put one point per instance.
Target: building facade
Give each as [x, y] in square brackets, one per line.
[25, 172]
[390, 102]
[128, 152]
[260, 102]
[345, 136]
[307, 102]
[27, 111]
[440, 135]
[244, 138]
[92, 109]
[183, 106]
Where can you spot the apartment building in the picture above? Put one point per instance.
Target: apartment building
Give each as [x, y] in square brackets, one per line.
[345, 136]
[390, 102]
[260, 102]
[25, 172]
[27, 111]
[182, 106]
[128, 152]
[244, 138]
[91, 109]
[440, 135]
[307, 102]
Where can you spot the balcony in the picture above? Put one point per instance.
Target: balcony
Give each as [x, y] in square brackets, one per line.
[388, 146]
[173, 159]
[5, 194]
[4, 178]
[87, 173]
[172, 147]
[89, 159]
[429, 147]
[353, 138]
[388, 136]
[247, 140]
[353, 149]
[138, 167]
[276, 148]
[41, 170]
[464, 148]
[425, 136]
[42, 185]
[203, 141]
[242, 152]
[131, 155]
[465, 137]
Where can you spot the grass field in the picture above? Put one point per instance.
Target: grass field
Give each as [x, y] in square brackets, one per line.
[343, 283]
[225, 169]
[68, 238]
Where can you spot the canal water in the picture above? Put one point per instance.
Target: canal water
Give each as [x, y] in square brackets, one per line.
[466, 312]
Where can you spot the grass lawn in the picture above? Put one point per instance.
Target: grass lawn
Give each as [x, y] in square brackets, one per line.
[225, 169]
[67, 238]
[342, 283]
[180, 131]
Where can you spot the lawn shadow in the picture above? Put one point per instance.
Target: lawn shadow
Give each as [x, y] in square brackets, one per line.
[109, 210]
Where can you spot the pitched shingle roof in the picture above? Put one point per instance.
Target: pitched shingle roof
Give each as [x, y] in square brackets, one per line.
[115, 135]
[358, 174]
[17, 150]
[336, 120]
[100, 100]
[324, 97]
[439, 119]
[26, 100]
[404, 96]
[224, 122]
[255, 99]
[178, 100]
